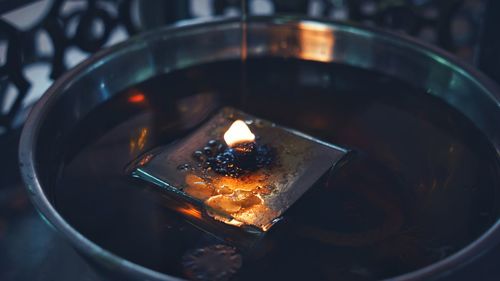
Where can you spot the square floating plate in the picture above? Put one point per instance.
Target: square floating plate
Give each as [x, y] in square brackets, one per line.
[253, 201]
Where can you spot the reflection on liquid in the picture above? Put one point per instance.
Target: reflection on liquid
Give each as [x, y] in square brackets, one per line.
[136, 97]
[138, 143]
[190, 211]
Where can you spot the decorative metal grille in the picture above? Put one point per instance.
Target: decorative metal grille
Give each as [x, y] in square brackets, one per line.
[89, 25]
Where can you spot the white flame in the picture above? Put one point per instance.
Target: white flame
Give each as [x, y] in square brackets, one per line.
[238, 133]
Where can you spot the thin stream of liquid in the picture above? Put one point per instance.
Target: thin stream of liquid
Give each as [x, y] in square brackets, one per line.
[243, 51]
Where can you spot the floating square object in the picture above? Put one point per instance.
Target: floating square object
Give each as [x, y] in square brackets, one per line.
[253, 200]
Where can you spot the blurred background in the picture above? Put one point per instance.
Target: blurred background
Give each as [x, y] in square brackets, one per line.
[40, 40]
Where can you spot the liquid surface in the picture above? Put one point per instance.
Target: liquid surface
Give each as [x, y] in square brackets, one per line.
[421, 185]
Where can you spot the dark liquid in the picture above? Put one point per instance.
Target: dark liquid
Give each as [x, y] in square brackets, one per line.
[421, 185]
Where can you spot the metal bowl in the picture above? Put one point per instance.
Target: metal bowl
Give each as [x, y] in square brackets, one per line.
[103, 75]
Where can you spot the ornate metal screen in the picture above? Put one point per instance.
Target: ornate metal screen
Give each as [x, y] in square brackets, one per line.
[65, 26]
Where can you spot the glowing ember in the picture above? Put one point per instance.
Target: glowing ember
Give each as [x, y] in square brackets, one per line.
[238, 133]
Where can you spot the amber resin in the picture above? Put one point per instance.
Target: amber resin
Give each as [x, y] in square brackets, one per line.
[254, 199]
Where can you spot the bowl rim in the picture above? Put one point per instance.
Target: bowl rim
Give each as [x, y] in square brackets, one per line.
[53, 218]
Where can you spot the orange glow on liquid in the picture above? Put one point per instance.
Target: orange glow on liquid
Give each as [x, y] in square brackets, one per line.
[137, 97]
[190, 212]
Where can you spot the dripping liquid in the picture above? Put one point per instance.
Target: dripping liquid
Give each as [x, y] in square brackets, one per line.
[243, 50]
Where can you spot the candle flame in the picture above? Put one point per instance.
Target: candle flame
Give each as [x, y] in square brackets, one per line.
[238, 133]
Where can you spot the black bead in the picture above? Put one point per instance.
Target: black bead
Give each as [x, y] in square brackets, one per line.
[213, 143]
[198, 155]
[208, 151]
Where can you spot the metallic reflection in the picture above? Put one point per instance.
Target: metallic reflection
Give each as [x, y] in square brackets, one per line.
[317, 42]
